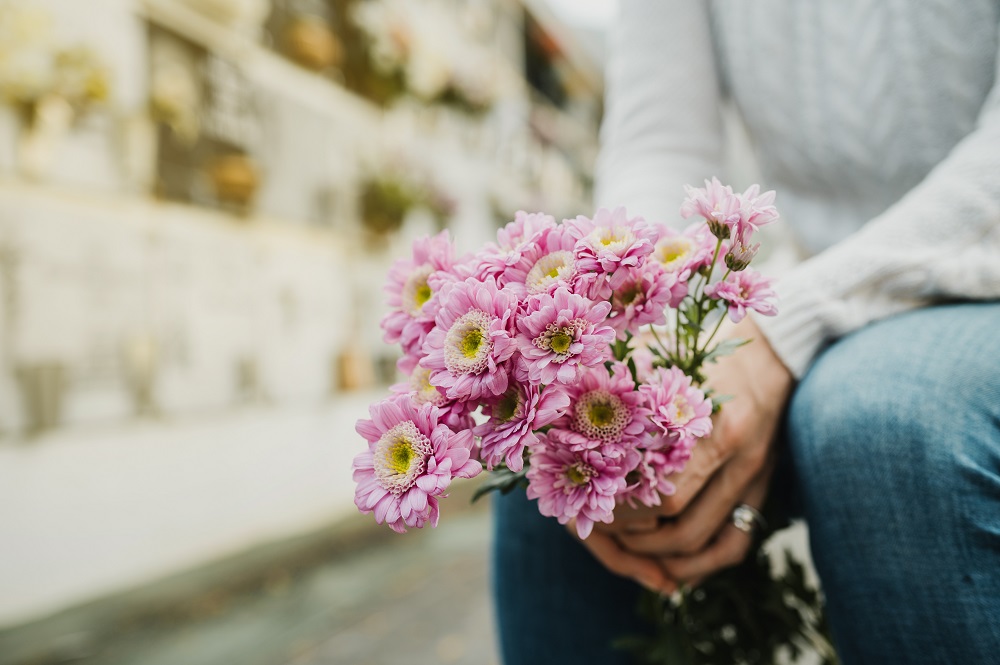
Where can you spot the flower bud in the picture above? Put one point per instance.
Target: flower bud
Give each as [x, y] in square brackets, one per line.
[719, 229]
[740, 256]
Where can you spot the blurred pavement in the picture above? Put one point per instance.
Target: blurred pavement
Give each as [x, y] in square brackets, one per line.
[421, 599]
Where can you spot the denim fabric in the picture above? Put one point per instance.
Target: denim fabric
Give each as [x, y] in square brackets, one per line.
[555, 603]
[894, 443]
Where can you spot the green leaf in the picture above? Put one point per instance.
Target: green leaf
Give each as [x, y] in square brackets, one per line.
[620, 349]
[718, 401]
[501, 480]
[724, 348]
[692, 318]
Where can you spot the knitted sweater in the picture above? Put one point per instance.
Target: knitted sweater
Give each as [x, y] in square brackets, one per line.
[877, 122]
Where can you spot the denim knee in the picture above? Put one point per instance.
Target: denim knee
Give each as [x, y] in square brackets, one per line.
[910, 404]
[895, 445]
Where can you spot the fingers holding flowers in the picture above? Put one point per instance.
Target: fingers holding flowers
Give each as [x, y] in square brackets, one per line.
[729, 546]
[646, 571]
[733, 464]
[693, 529]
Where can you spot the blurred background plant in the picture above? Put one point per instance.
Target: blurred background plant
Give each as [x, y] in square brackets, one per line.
[33, 68]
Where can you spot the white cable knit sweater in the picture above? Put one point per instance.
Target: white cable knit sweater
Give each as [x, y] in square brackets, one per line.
[877, 122]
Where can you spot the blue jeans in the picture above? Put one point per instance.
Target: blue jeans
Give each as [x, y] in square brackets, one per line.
[894, 449]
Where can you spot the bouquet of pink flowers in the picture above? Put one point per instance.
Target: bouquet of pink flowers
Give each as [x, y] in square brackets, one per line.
[567, 355]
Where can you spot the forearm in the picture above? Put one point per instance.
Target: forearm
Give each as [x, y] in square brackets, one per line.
[662, 127]
[939, 242]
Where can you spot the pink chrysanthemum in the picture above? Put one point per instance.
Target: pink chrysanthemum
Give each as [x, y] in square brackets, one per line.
[561, 334]
[415, 334]
[605, 412]
[411, 288]
[756, 210]
[471, 340]
[545, 266]
[745, 290]
[680, 410]
[608, 243]
[644, 297]
[455, 414]
[524, 231]
[411, 459]
[648, 481]
[522, 235]
[577, 484]
[716, 203]
[512, 418]
[684, 253]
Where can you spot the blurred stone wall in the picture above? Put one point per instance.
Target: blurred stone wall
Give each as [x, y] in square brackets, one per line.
[181, 367]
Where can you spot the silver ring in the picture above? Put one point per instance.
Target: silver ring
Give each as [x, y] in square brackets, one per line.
[748, 519]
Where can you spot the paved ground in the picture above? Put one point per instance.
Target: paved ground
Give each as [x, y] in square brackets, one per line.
[415, 599]
[420, 600]
[422, 604]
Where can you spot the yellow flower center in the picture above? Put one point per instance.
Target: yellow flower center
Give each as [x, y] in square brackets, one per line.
[630, 294]
[423, 391]
[559, 339]
[423, 294]
[601, 414]
[683, 413]
[471, 342]
[580, 473]
[560, 342]
[467, 346]
[400, 454]
[400, 457]
[548, 270]
[416, 291]
[618, 238]
[673, 252]
[506, 408]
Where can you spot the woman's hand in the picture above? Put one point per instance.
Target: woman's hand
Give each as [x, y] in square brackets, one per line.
[731, 466]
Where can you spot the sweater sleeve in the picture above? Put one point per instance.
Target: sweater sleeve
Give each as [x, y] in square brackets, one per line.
[662, 125]
[941, 241]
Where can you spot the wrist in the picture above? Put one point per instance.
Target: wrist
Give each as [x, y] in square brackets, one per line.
[773, 381]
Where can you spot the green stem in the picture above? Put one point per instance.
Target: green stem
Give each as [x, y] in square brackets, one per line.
[677, 338]
[701, 314]
[683, 617]
[656, 336]
[712, 336]
[715, 257]
[820, 643]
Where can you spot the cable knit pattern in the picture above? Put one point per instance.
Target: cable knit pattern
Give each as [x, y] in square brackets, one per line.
[878, 122]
